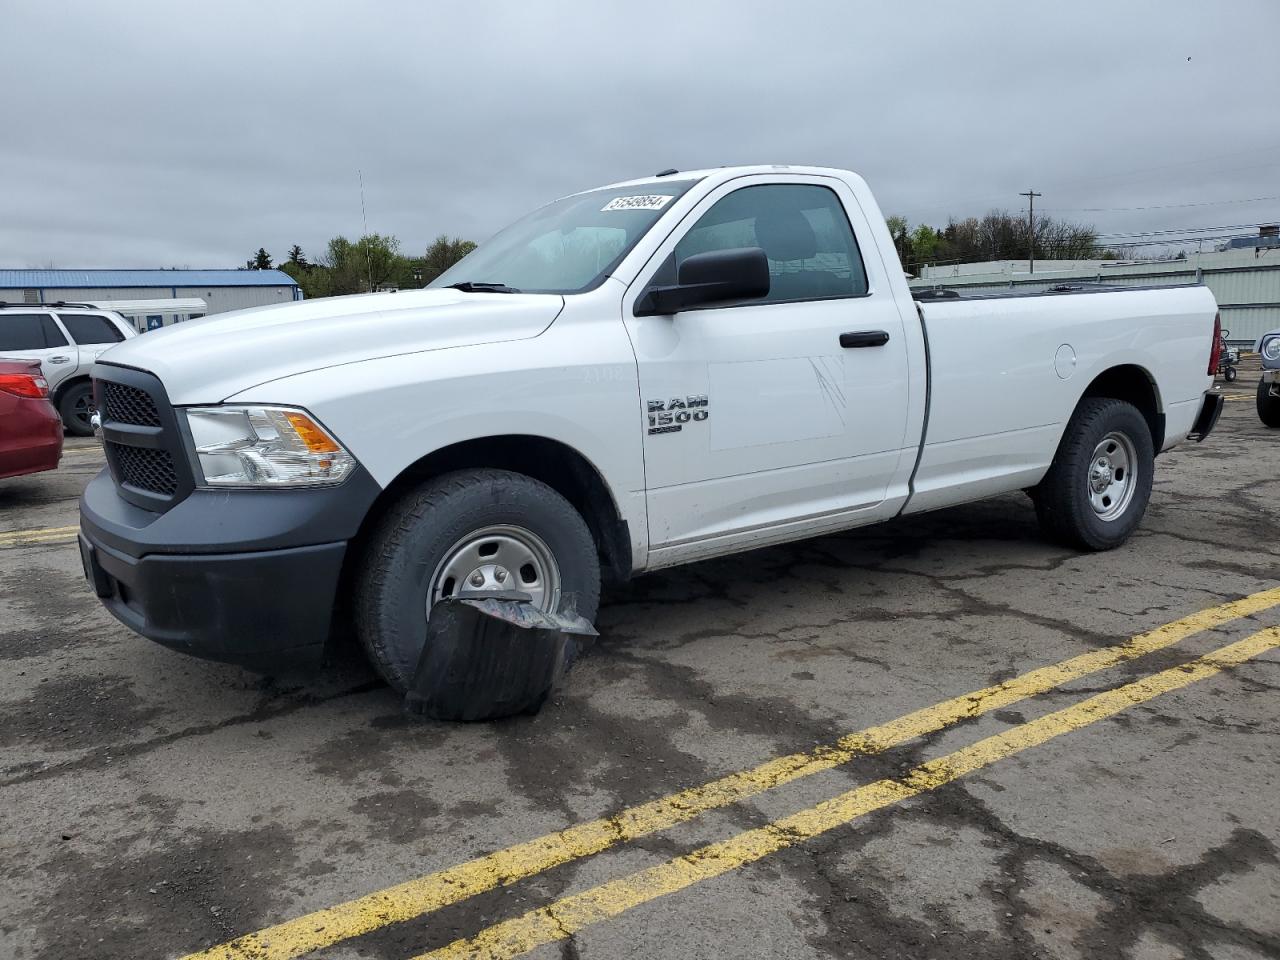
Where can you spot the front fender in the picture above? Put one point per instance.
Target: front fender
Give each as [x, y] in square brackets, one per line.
[575, 384]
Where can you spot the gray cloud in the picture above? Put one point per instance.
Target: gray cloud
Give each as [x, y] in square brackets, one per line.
[163, 134]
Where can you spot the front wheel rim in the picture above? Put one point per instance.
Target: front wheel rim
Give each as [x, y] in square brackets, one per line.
[497, 559]
[1112, 476]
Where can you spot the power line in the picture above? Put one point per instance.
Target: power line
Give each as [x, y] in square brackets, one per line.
[1134, 171]
[1013, 253]
[1156, 233]
[1161, 206]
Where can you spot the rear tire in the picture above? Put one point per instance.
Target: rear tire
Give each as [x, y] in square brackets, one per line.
[75, 406]
[428, 537]
[1268, 404]
[1229, 374]
[1098, 487]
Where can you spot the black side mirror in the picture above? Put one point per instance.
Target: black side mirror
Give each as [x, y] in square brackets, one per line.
[718, 276]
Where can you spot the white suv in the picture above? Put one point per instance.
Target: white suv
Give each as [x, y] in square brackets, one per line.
[66, 338]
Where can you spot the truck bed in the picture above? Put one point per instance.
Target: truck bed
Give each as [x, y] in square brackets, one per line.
[944, 294]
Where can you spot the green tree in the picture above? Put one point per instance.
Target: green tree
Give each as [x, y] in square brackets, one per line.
[360, 267]
[925, 243]
[314, 280]
[297, 257]
[379, 258]
[262, 259]
[442, 254]
[899, 232]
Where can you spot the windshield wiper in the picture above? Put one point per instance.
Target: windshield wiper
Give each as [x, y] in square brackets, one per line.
[474, 286]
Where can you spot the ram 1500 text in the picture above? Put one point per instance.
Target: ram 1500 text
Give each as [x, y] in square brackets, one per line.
[628, 378]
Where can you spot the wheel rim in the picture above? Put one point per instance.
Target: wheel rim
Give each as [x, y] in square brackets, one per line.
[1111, 480]
[84, 409]
[497, 559]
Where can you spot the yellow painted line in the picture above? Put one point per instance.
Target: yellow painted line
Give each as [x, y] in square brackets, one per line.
[404, 901]
[22, 538]
[567, 916]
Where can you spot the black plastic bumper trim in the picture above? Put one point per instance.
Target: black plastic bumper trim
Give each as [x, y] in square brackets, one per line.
[248, 577]
[267, 611]
[1210, 411]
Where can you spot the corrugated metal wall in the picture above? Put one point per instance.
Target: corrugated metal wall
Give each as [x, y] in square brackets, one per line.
[219, 299]
[1247, 288]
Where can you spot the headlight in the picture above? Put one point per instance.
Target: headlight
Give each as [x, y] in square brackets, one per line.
[1271, 349]
[265, 447]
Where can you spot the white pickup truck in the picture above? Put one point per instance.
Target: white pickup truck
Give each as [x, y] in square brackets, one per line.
[629, 378]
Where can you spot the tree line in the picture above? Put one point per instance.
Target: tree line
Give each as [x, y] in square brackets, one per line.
[371, 263]
[998, 236]
[374, 262]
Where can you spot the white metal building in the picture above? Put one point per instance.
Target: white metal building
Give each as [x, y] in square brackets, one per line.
[222, 290]
[1245, 282]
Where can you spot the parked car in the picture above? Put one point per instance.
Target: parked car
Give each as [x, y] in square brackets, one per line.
[1268, 347]
[30, 430]
[66, 338]
[629, 378]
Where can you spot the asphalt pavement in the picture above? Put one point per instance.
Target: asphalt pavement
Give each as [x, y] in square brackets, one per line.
[939, 737]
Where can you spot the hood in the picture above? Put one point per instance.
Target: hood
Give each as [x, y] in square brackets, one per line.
[208, 360]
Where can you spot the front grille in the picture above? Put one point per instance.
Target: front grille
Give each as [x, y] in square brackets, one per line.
[125, 404]
[144, 468]
[142, 437]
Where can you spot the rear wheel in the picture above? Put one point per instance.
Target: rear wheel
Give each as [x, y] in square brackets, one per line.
[1098, 487]
[1229, 374]
[1269, 403]
[76, 409]
[469, 533]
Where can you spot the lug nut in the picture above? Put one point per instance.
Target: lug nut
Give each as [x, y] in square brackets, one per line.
[477, 579]
[500, 576]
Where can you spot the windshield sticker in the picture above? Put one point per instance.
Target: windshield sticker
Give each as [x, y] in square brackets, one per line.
[652, 201]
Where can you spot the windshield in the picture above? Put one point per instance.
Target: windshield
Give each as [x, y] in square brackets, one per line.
[567, 246]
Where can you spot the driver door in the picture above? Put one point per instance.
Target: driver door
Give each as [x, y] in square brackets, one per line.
[773, 418]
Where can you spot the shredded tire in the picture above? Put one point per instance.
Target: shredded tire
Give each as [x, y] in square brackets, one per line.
[413, 537]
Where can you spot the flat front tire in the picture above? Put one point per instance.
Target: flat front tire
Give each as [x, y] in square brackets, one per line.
[468, 533]
[1097, 489]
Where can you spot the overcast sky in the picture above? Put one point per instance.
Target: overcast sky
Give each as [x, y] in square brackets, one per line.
[189, 134]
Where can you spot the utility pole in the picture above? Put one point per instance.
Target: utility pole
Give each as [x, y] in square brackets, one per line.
[1031, 226]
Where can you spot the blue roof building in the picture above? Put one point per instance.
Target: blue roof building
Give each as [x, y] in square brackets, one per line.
[222, 290]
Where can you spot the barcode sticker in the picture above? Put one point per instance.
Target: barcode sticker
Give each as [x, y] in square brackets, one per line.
[652, 201]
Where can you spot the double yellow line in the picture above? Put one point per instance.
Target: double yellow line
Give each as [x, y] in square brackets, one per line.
[26, 538]
[567, 916]
[425, 894]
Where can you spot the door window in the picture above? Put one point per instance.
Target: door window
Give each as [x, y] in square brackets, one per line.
[802, 229]
[29, 331]
[89, 328]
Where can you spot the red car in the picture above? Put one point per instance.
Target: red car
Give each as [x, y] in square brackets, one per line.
[30, 428]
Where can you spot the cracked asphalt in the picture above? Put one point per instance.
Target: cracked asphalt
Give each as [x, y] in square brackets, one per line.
[152, 805]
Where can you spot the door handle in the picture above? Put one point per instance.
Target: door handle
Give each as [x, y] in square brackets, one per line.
[59, 359]
[864, 338]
